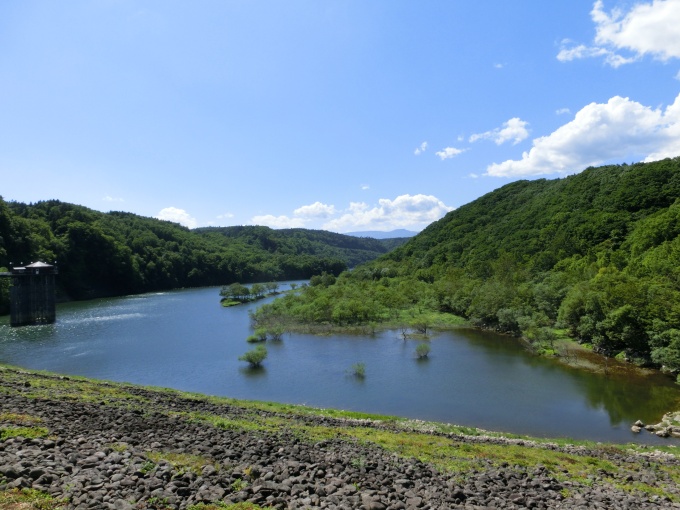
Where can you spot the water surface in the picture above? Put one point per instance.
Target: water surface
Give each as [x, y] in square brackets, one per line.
[186, 340]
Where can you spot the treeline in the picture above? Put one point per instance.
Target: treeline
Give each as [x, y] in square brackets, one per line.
[596, 253]
[117, 253]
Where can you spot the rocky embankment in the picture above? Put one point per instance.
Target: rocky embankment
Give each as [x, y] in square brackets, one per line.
[669, 426]
[160, 450]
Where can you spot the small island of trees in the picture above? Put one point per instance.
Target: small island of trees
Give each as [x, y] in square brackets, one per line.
[237, 293]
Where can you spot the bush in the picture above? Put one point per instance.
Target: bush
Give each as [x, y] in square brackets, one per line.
[358, 370]
[276, 332]
[422, 350]
[255, 357]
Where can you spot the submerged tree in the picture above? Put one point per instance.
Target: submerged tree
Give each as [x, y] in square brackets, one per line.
[255, 357]
[422, 350]
[358, 370]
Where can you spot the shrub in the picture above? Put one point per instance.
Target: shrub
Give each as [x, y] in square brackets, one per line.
[422, 350]
[276, 332]
[358, 370]
[255, 357]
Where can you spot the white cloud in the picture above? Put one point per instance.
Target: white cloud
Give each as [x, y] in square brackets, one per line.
[177, 216]
[499, 66]
[301, 216]
[112, 199]
[562, 111]
[315, 210]
[677, 76]
[365, 187]
[600, 132]
[648, 28]
[269, 220]
[405, 211]
[514, 129]
[225, 216]
[422, 148]
[449, 152]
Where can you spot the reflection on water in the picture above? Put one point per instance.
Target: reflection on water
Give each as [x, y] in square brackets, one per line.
[186, 340]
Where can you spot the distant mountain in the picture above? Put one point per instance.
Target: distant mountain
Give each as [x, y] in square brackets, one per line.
[377, 234]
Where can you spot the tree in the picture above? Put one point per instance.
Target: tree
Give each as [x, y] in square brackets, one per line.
[257, 290]
[358, 370]
[255, 357]
[422, 350]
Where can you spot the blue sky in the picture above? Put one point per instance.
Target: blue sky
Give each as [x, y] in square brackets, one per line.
[344, 115]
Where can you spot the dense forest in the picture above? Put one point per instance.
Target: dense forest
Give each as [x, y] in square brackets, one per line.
[596, 254]
[118, 253]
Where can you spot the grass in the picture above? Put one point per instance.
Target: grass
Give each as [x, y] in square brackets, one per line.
[20, 425]
[48, 386]
[225, 506]
[29, 499]
[438, 444]
[182, 462]
[20, 419]
[26, 432]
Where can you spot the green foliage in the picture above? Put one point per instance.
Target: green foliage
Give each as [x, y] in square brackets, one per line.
[26, 432]
[118, 253]
[422, 350]
[276, 332]
[30, 499]
[358, 370]
[255, 357]
[597, 253]
[238, 485]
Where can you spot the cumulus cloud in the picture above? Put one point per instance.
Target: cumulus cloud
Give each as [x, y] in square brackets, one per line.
[514, 129]
[405, 211]
[315, 210]
[177, 216]
[112, 199]
[421, 148]
[301, 216]
[562, 111]
[449, 152]
[269, 220]
[600, 132]
[365, 187]
[648, 28]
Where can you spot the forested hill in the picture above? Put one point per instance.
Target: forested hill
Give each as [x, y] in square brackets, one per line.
[300, 241]
[601, 212]
[596, 253]
[117, 253]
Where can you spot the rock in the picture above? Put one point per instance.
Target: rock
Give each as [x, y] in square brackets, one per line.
[639, 423]
[100, 459]
[635, 429]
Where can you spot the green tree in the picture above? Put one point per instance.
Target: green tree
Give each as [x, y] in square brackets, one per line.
[255, 357]
[422, 350]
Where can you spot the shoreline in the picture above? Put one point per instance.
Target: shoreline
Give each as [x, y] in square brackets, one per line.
[121, 446]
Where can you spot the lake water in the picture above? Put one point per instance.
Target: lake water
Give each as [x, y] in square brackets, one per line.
[186, 340]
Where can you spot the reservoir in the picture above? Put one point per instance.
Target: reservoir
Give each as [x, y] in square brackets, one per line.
[185, 340]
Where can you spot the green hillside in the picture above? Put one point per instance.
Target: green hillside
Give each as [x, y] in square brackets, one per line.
[596, 253]
[117, 253]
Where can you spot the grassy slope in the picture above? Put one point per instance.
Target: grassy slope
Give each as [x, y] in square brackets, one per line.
[459, 451]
